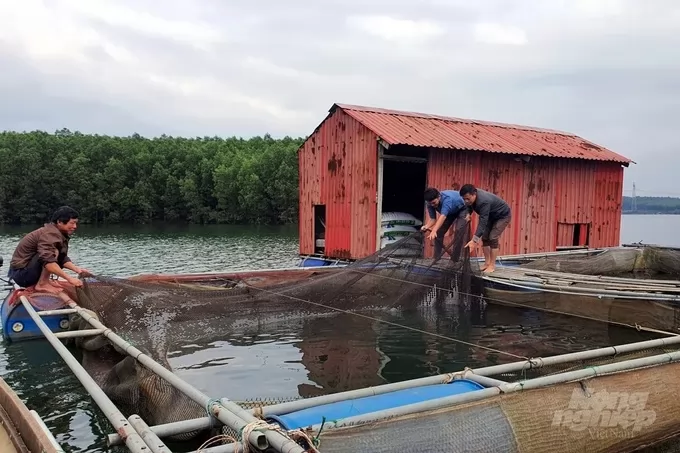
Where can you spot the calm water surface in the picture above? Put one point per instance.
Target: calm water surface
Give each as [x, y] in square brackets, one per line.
[297, 357]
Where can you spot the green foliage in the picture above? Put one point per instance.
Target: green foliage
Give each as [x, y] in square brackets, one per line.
[652, 205]
[139, 180]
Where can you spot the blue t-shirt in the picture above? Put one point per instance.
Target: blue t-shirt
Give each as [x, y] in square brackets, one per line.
[450, 203]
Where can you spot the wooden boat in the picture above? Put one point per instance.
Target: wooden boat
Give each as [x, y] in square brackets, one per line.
[21, 429]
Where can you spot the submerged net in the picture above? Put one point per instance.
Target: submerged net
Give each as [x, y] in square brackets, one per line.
[158, 314]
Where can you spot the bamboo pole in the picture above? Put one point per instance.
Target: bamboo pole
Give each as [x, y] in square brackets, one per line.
[79, 333]
[61, 311]
[226, 411]
[151, 439]
[132, 439]
[172, 429]
[505, 388]
[585, 292]
[472, 374]
[542, 273]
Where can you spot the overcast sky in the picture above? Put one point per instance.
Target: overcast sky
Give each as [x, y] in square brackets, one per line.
[608, 70]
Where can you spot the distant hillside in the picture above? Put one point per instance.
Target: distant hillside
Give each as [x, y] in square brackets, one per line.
[652, 205]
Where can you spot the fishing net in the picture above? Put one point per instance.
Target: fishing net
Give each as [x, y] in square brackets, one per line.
[643, 260]
[160, 314]
[635, 410]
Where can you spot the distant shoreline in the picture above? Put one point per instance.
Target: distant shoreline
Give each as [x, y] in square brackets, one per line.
[649, 213]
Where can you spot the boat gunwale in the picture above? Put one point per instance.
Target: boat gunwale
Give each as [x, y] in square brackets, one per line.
[26, 426]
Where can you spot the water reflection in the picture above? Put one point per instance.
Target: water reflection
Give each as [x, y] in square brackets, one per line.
[309, 357]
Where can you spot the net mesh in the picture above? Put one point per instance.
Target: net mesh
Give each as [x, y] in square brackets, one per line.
[158, 314]
[643, 261]
[617, 412]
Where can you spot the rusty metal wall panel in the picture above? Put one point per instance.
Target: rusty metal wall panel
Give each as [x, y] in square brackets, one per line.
[541, 193]
[575, 181]
[337, 168]
[565, 234]
[309, 191]
[608, 195]
[537, 222]
[334, 189]
[591, 193]
[364, 188]
[502, 176]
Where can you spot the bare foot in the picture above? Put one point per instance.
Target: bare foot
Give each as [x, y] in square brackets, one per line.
[54, 283]
[483, 268]
[47, 288]
[489, 269]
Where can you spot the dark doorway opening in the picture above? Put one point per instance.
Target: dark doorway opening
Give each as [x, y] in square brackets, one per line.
[403, 187]
[319, 228]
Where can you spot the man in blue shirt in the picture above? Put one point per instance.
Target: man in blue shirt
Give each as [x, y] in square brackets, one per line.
[451, 208]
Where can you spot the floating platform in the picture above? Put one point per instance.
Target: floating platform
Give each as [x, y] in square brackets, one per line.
[532, 280]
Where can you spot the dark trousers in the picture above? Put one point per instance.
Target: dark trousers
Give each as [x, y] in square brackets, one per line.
[29, 275]
[457, 219]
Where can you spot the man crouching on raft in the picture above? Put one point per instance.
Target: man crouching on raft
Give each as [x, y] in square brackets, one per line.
[44, 252]
[494, 217]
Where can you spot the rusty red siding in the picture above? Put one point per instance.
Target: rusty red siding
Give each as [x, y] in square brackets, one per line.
[338, 169]
[542, 193]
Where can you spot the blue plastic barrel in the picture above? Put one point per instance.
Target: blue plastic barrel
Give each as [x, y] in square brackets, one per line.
[349, 408]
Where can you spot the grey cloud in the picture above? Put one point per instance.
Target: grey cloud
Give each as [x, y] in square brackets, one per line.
[610, 78]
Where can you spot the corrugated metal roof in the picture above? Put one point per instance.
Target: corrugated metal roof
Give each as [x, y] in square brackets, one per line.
[418, 129]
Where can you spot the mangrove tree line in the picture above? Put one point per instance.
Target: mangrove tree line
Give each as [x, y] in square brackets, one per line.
[139, 180]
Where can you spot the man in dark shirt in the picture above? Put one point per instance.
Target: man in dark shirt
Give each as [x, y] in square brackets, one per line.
[494, 217]
[451, 209]
[44, 252]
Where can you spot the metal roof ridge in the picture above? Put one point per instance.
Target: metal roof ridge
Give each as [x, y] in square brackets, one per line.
[450, 119]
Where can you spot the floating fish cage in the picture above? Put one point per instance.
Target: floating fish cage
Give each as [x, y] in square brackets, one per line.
[615, 398]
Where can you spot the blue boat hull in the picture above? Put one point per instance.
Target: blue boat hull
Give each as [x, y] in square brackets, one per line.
[362, 406]
[17, 324]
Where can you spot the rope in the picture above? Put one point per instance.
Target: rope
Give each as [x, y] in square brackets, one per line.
[215, 440]
[371, 318]
[209, 405]
[517, 304]
[637, 327]
[450, 377]
[295, 435]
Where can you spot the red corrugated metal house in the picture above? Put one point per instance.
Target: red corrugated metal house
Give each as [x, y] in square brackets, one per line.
[360, 162]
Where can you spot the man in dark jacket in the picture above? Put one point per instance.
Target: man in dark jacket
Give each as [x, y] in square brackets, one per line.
[44, 252]
[494, 217]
